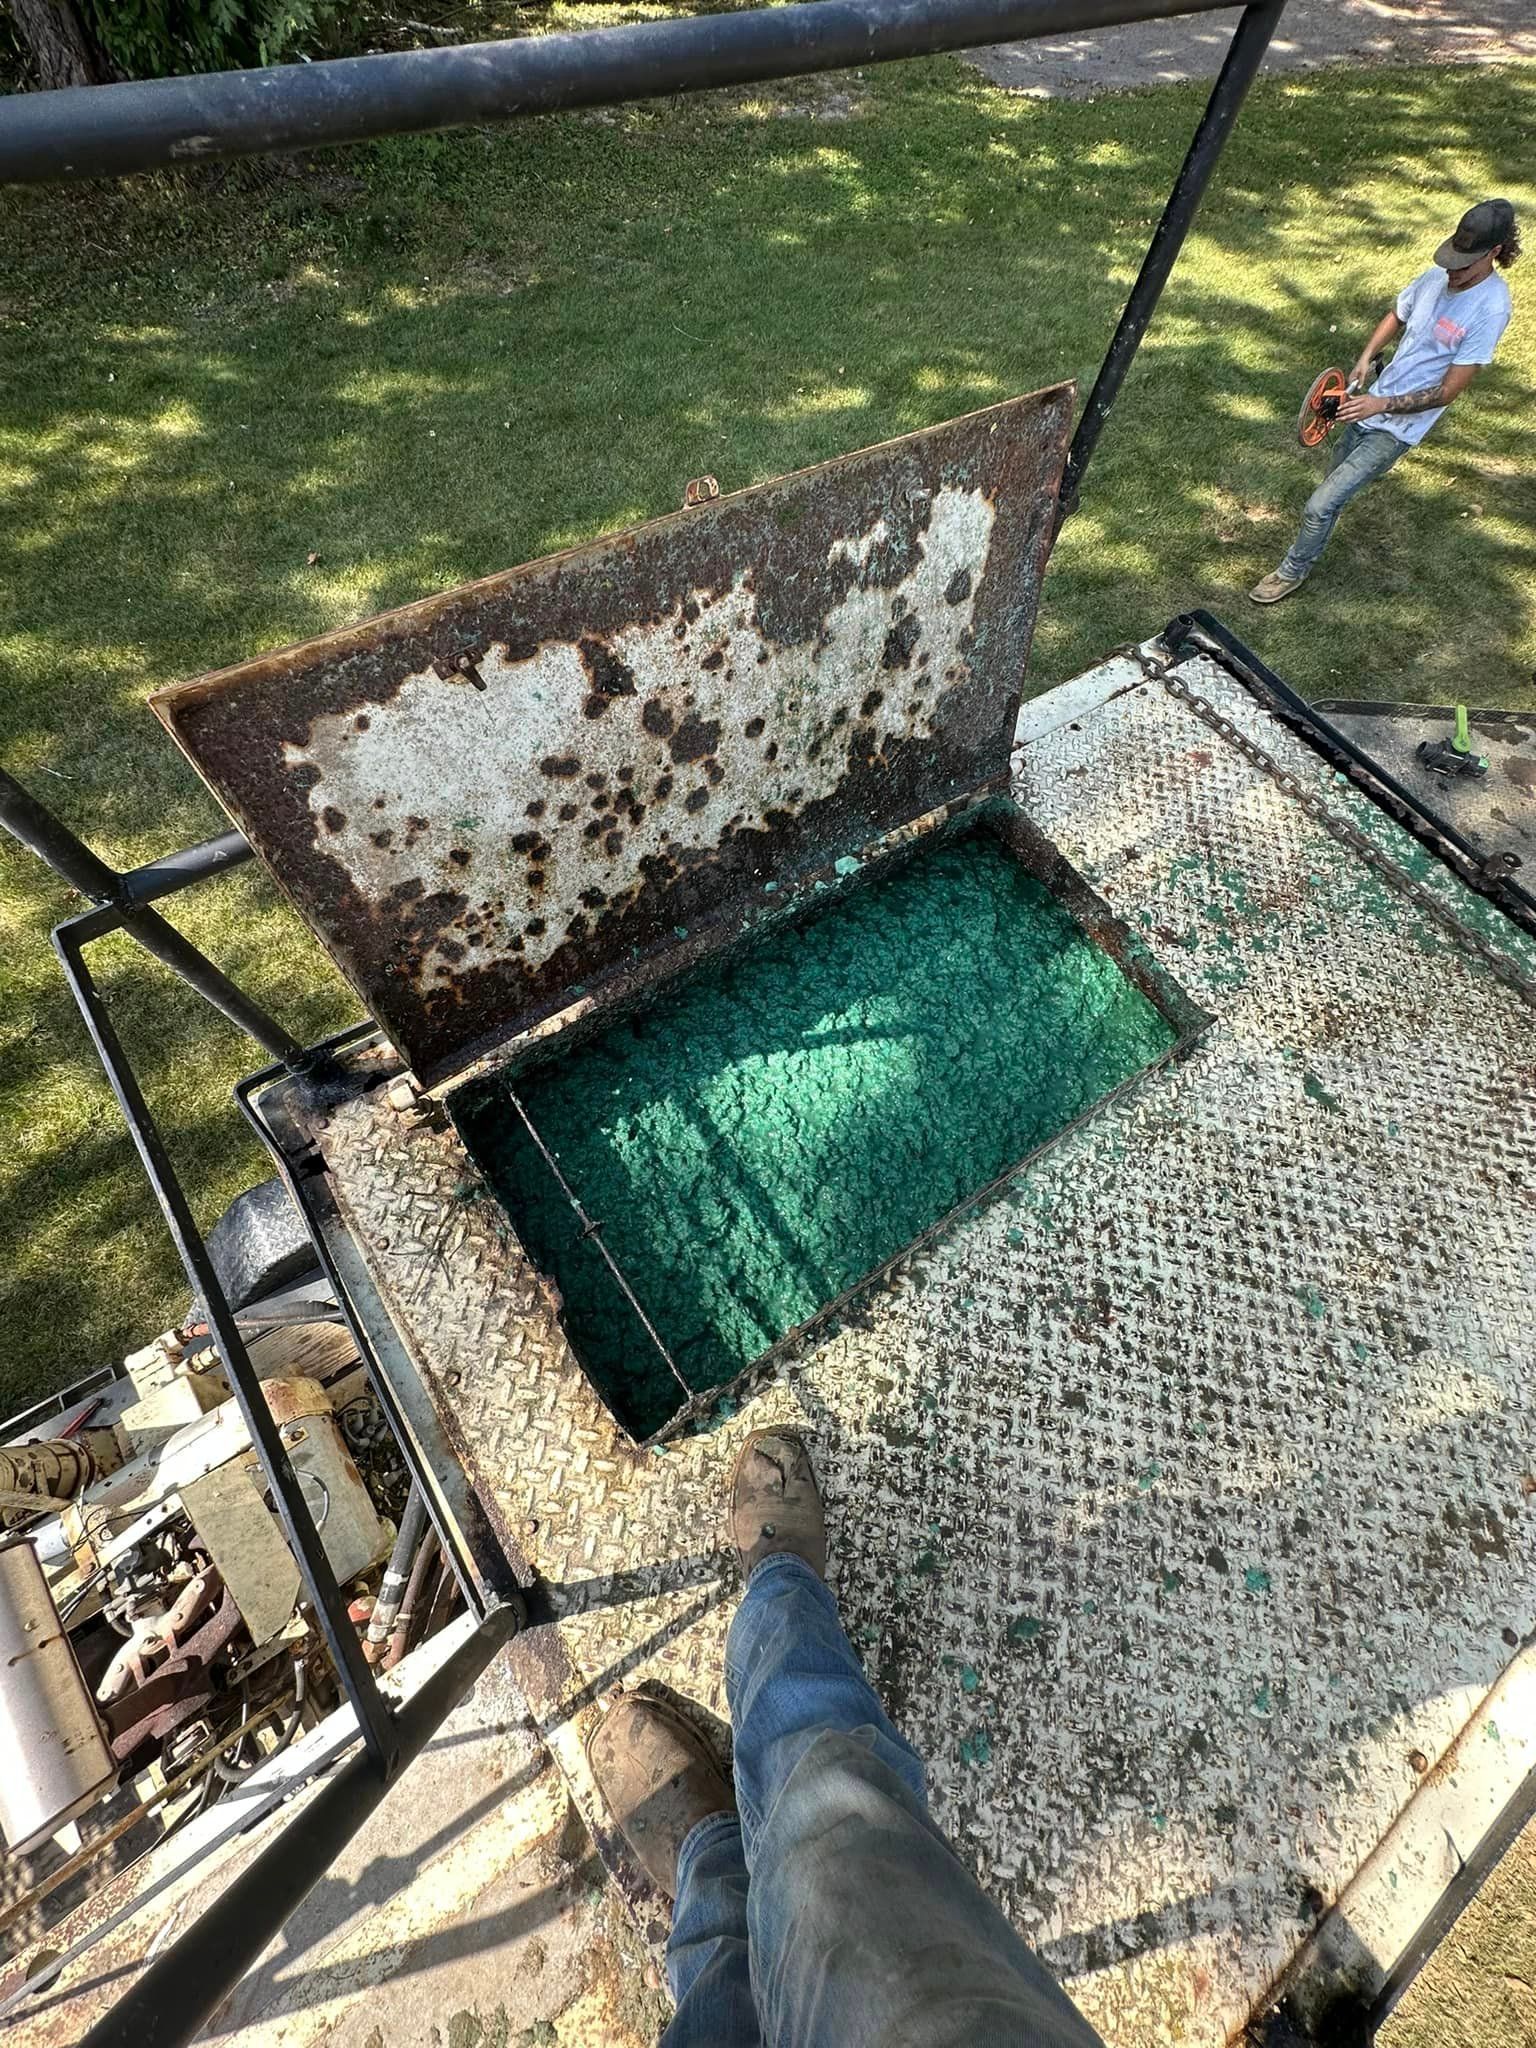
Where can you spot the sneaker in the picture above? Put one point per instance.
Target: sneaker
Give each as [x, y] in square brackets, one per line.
[658, 1779]
[776, 1503]
[1273, 587]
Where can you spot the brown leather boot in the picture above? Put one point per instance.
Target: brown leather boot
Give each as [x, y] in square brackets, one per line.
[776, 1503]
[1272, 588]
[658, 1780]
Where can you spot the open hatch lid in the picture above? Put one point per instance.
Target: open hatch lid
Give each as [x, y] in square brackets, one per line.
[500, 799]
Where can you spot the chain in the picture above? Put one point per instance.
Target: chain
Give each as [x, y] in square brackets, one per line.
[1358, 842]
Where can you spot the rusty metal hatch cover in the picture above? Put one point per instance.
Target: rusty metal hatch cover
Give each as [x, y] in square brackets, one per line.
[502, 797]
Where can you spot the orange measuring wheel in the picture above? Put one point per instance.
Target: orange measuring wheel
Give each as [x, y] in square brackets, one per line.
[1320, 408]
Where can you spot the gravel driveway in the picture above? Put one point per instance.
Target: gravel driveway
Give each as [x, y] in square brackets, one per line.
[1312, 32]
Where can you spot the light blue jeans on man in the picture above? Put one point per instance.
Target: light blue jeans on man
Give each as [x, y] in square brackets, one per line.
[832, 1913]
[1360, 454]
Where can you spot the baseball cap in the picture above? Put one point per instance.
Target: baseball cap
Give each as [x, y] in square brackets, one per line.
[1481, 228]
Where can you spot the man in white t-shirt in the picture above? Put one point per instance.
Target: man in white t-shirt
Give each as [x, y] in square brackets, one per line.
[1450, 319]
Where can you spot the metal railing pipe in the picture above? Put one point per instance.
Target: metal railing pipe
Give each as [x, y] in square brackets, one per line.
[30, 821]
[335, 1624]
[1250, 39]
[104, 130]
[51, 840]
[187, 865]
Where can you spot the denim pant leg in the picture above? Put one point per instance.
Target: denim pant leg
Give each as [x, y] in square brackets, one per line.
[1361, 455]
[866, 1931]
[707, 1949]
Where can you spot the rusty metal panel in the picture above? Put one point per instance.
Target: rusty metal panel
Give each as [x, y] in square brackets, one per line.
[242, 1536]
[490, 801]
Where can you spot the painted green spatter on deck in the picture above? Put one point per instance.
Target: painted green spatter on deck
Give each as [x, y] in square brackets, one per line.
[1318, 1092]
[757, 1141]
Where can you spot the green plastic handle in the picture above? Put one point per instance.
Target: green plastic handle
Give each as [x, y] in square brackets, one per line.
[1462, 741]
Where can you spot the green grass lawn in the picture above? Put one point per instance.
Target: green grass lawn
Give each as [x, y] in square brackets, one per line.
[429, 359]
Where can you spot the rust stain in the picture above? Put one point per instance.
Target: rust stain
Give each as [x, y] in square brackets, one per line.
[686, 712]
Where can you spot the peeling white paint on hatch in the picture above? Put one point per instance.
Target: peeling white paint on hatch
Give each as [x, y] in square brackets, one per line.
[426, 725]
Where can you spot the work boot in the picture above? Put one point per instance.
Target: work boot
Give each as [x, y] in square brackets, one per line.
[776, 1503]
[658, 1780]
[1270, 589]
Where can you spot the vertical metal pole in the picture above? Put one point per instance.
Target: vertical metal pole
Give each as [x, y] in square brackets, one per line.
[336, 1626]
[52, 841]
[1250, 40]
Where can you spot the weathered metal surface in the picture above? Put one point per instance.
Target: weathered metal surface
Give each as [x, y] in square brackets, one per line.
[177, 1691]
[1497, 814]
[241, 1535]
[57, 1761]
[1178, 1495]
[507, 795]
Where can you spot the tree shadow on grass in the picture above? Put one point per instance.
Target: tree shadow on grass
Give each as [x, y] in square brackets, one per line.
[421, 361]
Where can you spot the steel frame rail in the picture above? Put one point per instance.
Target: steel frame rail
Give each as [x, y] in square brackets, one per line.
[341, 1638]
[1205, 634]
[129, 895]
[105, 130]
[121, 901]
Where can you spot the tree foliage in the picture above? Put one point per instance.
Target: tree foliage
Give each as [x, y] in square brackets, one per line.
[147, 38]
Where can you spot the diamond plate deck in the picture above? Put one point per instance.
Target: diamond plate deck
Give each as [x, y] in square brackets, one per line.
[1178, 1496]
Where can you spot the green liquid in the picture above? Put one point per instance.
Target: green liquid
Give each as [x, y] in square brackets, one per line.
[764, 1136]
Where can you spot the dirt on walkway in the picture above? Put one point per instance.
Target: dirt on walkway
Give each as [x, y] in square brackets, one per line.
[1311, 33]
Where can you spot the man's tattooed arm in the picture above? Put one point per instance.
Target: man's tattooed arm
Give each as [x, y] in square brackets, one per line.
[1419, 401]
[1365, 405]
[1456, 377]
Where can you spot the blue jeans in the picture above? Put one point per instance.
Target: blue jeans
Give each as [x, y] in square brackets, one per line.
[832, 1913]
[1360, 455]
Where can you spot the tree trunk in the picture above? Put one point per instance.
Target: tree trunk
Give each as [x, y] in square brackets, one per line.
[60, 48]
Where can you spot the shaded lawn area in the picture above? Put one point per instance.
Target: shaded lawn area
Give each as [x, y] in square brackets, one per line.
[429, 359]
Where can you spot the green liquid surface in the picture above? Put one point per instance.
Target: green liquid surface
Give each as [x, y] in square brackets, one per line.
[762, 1137]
